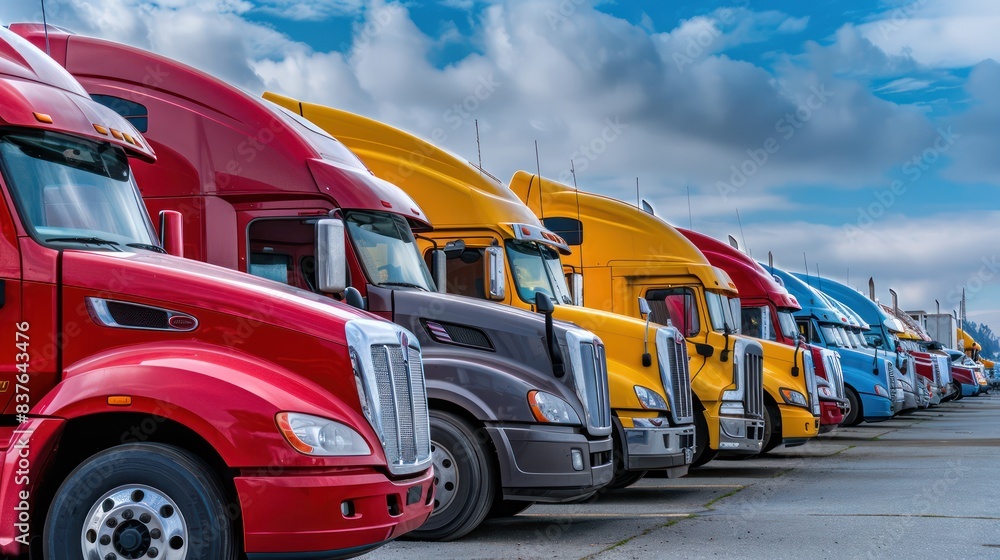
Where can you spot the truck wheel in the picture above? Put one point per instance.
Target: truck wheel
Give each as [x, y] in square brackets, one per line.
[855, 415]
[958, 391]
[772, 428]
[464, 479]
[141, 500]
[507, 508]
[702, 454]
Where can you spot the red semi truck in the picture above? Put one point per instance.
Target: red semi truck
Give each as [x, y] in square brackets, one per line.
[518, 402]
[158, 407]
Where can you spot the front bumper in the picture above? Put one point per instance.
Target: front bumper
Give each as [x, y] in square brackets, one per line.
[740, 434]
[832, 412]
[876, 408]
[653, 448]
[910, 400]
[536, 462]
[797, 424]
[303, 515]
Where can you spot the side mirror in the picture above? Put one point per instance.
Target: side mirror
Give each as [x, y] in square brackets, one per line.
[353, 297]
[172, 232]
[876, 341]
[576, 288]
[644, 309]
[439, 267]
[543, 303]
[645, 312]
[494, 283]
[454, 249]
[331, 256]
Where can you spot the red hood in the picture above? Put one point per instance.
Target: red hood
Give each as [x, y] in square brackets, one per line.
[178, 281]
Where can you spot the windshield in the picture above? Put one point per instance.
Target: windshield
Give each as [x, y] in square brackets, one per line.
[537, 268]
[756, 322]
[387, 251]
[787, 323]
[831, 335]
[76, 192]
[720, 313]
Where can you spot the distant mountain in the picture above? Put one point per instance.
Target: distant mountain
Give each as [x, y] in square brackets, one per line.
[986, 338]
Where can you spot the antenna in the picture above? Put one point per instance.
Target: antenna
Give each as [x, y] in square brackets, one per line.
[938, 304]
[871, 288]
[770, 261]
[45, 25]
[690, 219]
[739, 221]
[638, 203]
[479, 149]
[819, 279]
[806, 264]
[541, 195]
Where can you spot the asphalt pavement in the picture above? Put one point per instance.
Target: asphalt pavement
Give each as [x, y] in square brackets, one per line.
[923, 485]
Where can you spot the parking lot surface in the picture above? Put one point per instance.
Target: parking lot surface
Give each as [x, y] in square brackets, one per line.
[923, 485]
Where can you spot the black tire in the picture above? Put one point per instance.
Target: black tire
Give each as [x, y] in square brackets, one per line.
[772, 427]
[623, 478]
[958, 391]
[133, 479]
[464, 462]
[702, 453]
[856, 415]
[507, 508]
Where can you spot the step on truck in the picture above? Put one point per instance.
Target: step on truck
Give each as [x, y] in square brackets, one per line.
[623, 256]
[518, 401]
[650, 402]
[789, 365]
[158, 407]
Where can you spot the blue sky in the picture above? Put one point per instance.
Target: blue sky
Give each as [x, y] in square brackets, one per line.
[860, 133]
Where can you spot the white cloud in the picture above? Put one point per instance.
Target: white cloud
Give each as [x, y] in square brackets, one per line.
[309, 10]
[902, 85]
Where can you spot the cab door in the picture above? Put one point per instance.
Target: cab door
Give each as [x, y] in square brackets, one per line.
[15, 333]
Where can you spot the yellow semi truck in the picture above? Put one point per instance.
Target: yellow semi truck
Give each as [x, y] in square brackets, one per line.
[623, 253]
[495, 248]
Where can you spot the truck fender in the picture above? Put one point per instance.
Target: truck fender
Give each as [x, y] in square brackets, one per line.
[470, 385]
[228, 398]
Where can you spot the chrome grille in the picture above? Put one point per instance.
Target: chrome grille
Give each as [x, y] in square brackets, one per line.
[891, 371]
[753, 396]
[402, 399]
[836, 374]
[810, 373]
[674, 374]
[593, 387]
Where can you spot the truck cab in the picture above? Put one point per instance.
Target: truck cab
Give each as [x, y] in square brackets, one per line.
[518, 403]
[790, 371]
[623, 256]
[160, 407]
[869, 380]
[500, 238]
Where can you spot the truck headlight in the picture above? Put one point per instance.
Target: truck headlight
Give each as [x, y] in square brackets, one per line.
[793, 397]
[650, 399]
[881, 391]
[550, 409]
[317, 436]
[826, 391]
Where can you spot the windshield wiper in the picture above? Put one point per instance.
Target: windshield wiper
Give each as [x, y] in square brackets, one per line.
[86, 241]
[404, 284]
[147, 247]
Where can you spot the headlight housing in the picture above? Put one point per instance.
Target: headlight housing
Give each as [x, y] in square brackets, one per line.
[322, 437]
[794, 397]
[550, 409]
[650, 399]
[881, 391]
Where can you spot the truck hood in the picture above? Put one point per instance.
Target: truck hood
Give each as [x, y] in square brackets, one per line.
[168, 281]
